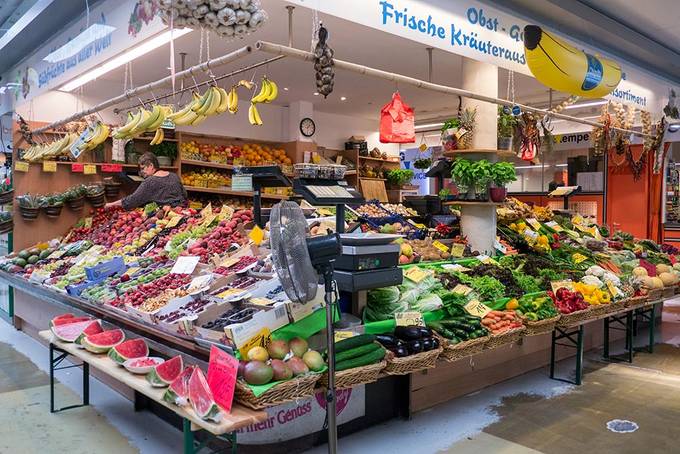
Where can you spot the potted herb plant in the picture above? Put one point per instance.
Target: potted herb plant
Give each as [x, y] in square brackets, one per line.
[53, 205]
[95, 195]
[422, 163]
[461, 174]
[6, 222]
[6, 191]
[502, 173]
[29, 206]
[75, 197]
[166, 152]
[449, 131]
[399, 177]
[506, 126]
[111, 188]
[481, 177]
[445, 194]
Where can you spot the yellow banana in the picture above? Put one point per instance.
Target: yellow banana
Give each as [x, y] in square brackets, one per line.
[232, 103]
[557, 64]
[150, 120]
[224, 101]
[262, 95]
[199, 119]
[273, 91]
[159, 120]
[186, 119]
[180, 113]
[246, 83]
[158, 137]
[125, 129]
[254, 115]
[203, 102]
[216, 100]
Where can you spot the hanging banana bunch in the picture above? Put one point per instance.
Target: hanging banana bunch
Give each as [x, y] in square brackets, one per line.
[97, 134]
[51, 150]
[143, 121]
[268, 93]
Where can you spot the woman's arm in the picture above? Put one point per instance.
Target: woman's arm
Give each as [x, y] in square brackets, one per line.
[117, 203]
[143, 195]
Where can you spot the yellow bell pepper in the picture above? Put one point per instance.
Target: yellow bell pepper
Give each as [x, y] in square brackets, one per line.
[512, 304]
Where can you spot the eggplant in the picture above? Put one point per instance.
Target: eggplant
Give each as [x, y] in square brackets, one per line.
[425, 332]
[427, 344]
[408, 333]
[400, 351]
[414, 346]
[435, 343]
[389, 341]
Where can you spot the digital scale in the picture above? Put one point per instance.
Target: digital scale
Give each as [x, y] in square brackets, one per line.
[368, 260]
[565, 192]
[328, 192]
[263, 177]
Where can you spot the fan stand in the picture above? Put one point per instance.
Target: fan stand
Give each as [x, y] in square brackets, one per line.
[326, 270]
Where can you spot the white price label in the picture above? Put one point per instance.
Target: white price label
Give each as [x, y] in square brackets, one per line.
[185, 265]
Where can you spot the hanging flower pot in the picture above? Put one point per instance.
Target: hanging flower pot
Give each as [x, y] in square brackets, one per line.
[111, 189]
[28, 213]
[29, 206]
[76, 204]
[95, 195]
[505, 143]
[6, 197]
[53, 211]
[6, 225]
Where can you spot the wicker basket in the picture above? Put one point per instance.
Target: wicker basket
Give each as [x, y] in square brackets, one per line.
[412, 363]
[655, 294]
[298, 388]
[573, 318]
[454, 352]
[7, 226]
[635, 301]
[668, 292]
[598, 310]
[6, 197]
[356, 376]
[536, 328]
[508, 337]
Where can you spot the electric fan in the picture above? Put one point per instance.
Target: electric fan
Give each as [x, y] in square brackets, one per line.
[298, 261]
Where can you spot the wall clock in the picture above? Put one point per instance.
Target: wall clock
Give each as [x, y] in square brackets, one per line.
[307, 127]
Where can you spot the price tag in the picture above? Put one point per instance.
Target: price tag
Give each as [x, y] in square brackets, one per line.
[257, 235]
[338, 159]
[89, 169]
[185, 264]
[612, 288]
[457, 249]
[499, 246]
[262, 301]
[87, 223]
[225, 213]
[422, 147]
[207, 210]
[38, 277]
[578, 258]
[56, 254]
[556, 285]
[462, 289]
[49, 166]
[416, 274]
[455, 267]
[477, 308]
[112, 168]
[596, 233]
[199, 283]
[76, 147]
[131, 271]
[208, 220]
[343, 334]
[441, 246]
[412, 318]
[555, 226]
[21, 166]
[485, 259]
[222, 371]
[230, 261]
[530, 234]
[242, 183]
[174, 221]
[261, 339]
[77, 167]
[578, 219]
[534, 223]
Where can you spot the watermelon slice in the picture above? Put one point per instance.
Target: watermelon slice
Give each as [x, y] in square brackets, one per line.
[69, 332]
[132, 348]
[178, 392]
[63, 320]
[164, 374]
[94, 328]
[102, 342]
[201, 397]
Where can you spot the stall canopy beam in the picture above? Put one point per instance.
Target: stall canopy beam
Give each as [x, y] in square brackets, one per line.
[159, 84]
[278, 49]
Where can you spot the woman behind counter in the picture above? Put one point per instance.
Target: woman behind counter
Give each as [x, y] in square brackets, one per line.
[158, 186]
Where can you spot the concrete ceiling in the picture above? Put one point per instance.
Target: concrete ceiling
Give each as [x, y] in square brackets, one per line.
[645, 34]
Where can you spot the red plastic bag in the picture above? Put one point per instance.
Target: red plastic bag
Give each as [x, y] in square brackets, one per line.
[397, 122]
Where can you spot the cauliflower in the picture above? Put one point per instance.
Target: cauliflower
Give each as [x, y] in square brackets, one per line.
[592, 280]
[608, 276]
[595, 270]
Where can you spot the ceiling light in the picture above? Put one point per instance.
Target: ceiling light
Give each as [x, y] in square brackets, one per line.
[343, 98]
[586, 104]
[316, 93]
[84, 39]
[537, 167]
[561, 165]
[285, 88]
[125, 57]
[431, 125]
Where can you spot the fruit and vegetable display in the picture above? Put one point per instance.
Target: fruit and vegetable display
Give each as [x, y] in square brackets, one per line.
[206, 178]
[279, 361]
[408, 340]
[358, 351]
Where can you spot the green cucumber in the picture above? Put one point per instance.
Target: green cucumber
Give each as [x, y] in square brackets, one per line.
[363, 360]
[353, 342]
[358, 351]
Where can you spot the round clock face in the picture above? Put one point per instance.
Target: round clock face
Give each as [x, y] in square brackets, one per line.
[307, 127]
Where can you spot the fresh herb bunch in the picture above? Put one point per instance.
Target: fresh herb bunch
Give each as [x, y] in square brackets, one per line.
[506, 123]
[481, 172]
[167, 149]
[399, 177]
[422, 163]
[461, 172]
[54, 200]
[503, 173]
[30, 201]
[444, 193]
[451, 123]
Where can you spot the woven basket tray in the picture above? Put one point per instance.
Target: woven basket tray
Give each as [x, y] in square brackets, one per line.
[635, 301]
[356, 376]
[454, 352]
[412, 363]
[575, 317]
[668, 292]
[655, 294]
[298, 388]
[535, 328]
[508, 337]
[6, 197]
[598, 310]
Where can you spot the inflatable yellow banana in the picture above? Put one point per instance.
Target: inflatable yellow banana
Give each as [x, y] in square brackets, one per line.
[561, 66]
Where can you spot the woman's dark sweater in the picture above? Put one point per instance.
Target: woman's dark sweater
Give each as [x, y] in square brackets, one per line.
[167, 190]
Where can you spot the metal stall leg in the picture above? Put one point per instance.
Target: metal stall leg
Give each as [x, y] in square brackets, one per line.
[188, 437]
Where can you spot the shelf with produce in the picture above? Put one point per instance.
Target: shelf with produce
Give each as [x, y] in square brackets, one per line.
[216, 165]
[150, 138]
[469, 202]
[235, 193]
[386, 161]
[125, 166]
